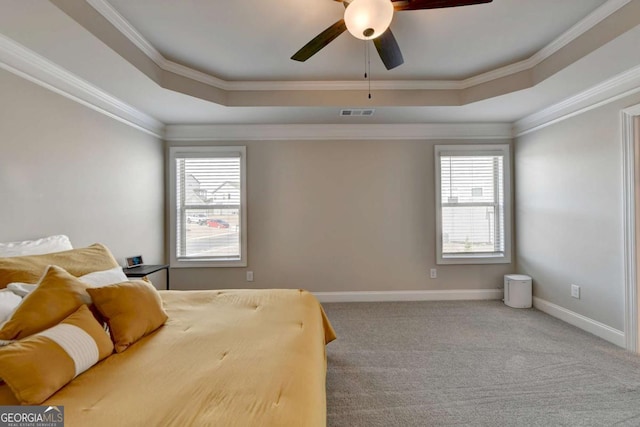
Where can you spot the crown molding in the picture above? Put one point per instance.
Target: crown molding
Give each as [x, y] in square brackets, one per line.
[318, 132]
[620, 86]
[130, 32]
[21, 61]
[590, 21]
[564, 39]
[119, 22]
[105, 9]
[27, 64]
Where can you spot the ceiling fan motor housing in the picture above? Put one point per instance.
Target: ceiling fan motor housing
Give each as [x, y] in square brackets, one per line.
[368, 19]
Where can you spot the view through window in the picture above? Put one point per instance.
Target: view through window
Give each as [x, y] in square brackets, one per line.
[471, 198]
[208, 195]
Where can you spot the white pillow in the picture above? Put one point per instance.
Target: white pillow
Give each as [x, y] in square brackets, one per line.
[8, 303]
[21, 289]
[44, 245]
[94, 280]
[104, 278]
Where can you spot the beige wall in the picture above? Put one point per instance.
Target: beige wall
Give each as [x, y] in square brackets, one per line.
[342, 216]
[569, 212]
[66, 169]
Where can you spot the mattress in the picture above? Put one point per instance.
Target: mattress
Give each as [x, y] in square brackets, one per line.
[224, 358]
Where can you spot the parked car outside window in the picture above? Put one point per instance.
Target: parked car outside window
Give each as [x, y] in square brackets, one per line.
[198, 218]
[217, 223]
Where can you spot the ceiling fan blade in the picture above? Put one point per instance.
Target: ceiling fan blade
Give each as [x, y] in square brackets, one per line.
[388, 50]
[433, 4]
[320, 41]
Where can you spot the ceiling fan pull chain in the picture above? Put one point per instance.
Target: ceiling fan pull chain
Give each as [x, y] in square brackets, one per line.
[366, 53]
[369, 68]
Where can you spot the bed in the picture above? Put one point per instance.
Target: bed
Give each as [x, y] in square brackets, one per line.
[222, 358]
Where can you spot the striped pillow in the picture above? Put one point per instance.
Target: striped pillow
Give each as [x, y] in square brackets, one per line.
[38, 366]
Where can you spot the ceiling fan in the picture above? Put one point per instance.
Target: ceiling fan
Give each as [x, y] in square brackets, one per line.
[370, 20]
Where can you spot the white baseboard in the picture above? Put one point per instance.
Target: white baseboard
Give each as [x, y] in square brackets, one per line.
[381, 296]
[592, 326]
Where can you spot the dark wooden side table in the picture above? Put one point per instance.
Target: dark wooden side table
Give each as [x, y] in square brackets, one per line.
[145, 270]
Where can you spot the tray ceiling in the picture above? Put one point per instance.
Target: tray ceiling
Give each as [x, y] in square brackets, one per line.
[210, 62]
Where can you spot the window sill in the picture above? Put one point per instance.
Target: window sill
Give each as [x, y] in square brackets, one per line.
[473, 259]
[207, 263]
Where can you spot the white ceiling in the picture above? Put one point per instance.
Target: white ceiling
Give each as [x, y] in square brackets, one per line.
[248, 41]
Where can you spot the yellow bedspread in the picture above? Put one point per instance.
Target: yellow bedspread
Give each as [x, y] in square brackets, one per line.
[224, 358]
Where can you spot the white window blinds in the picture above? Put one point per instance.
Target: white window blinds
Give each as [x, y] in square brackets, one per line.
[208, 206]
[472, 214]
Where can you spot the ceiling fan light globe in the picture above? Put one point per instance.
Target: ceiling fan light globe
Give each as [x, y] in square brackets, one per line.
[368, 19]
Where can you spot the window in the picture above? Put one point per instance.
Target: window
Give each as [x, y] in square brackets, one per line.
[208, 206]
[473, 207]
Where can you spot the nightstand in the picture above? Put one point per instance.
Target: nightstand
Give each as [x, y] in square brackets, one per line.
[145, 270]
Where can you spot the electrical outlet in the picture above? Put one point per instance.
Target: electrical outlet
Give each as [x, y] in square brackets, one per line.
[249, 276]
[433, 273]
[575, 291]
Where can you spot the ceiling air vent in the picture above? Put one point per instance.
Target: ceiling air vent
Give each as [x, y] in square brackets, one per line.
[357, 112]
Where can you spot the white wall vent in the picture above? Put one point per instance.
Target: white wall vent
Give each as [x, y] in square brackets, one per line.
[357, 112]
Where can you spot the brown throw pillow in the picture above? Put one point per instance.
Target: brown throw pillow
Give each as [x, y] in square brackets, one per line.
[57, 295]
[131, 309]
[78, 262]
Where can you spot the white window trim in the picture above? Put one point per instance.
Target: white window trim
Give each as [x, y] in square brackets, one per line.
[471, 150]
[208, 150]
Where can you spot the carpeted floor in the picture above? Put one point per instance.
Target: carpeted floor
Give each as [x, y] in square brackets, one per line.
[473, 363]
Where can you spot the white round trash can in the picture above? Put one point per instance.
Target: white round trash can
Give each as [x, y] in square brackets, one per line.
[517, 290]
